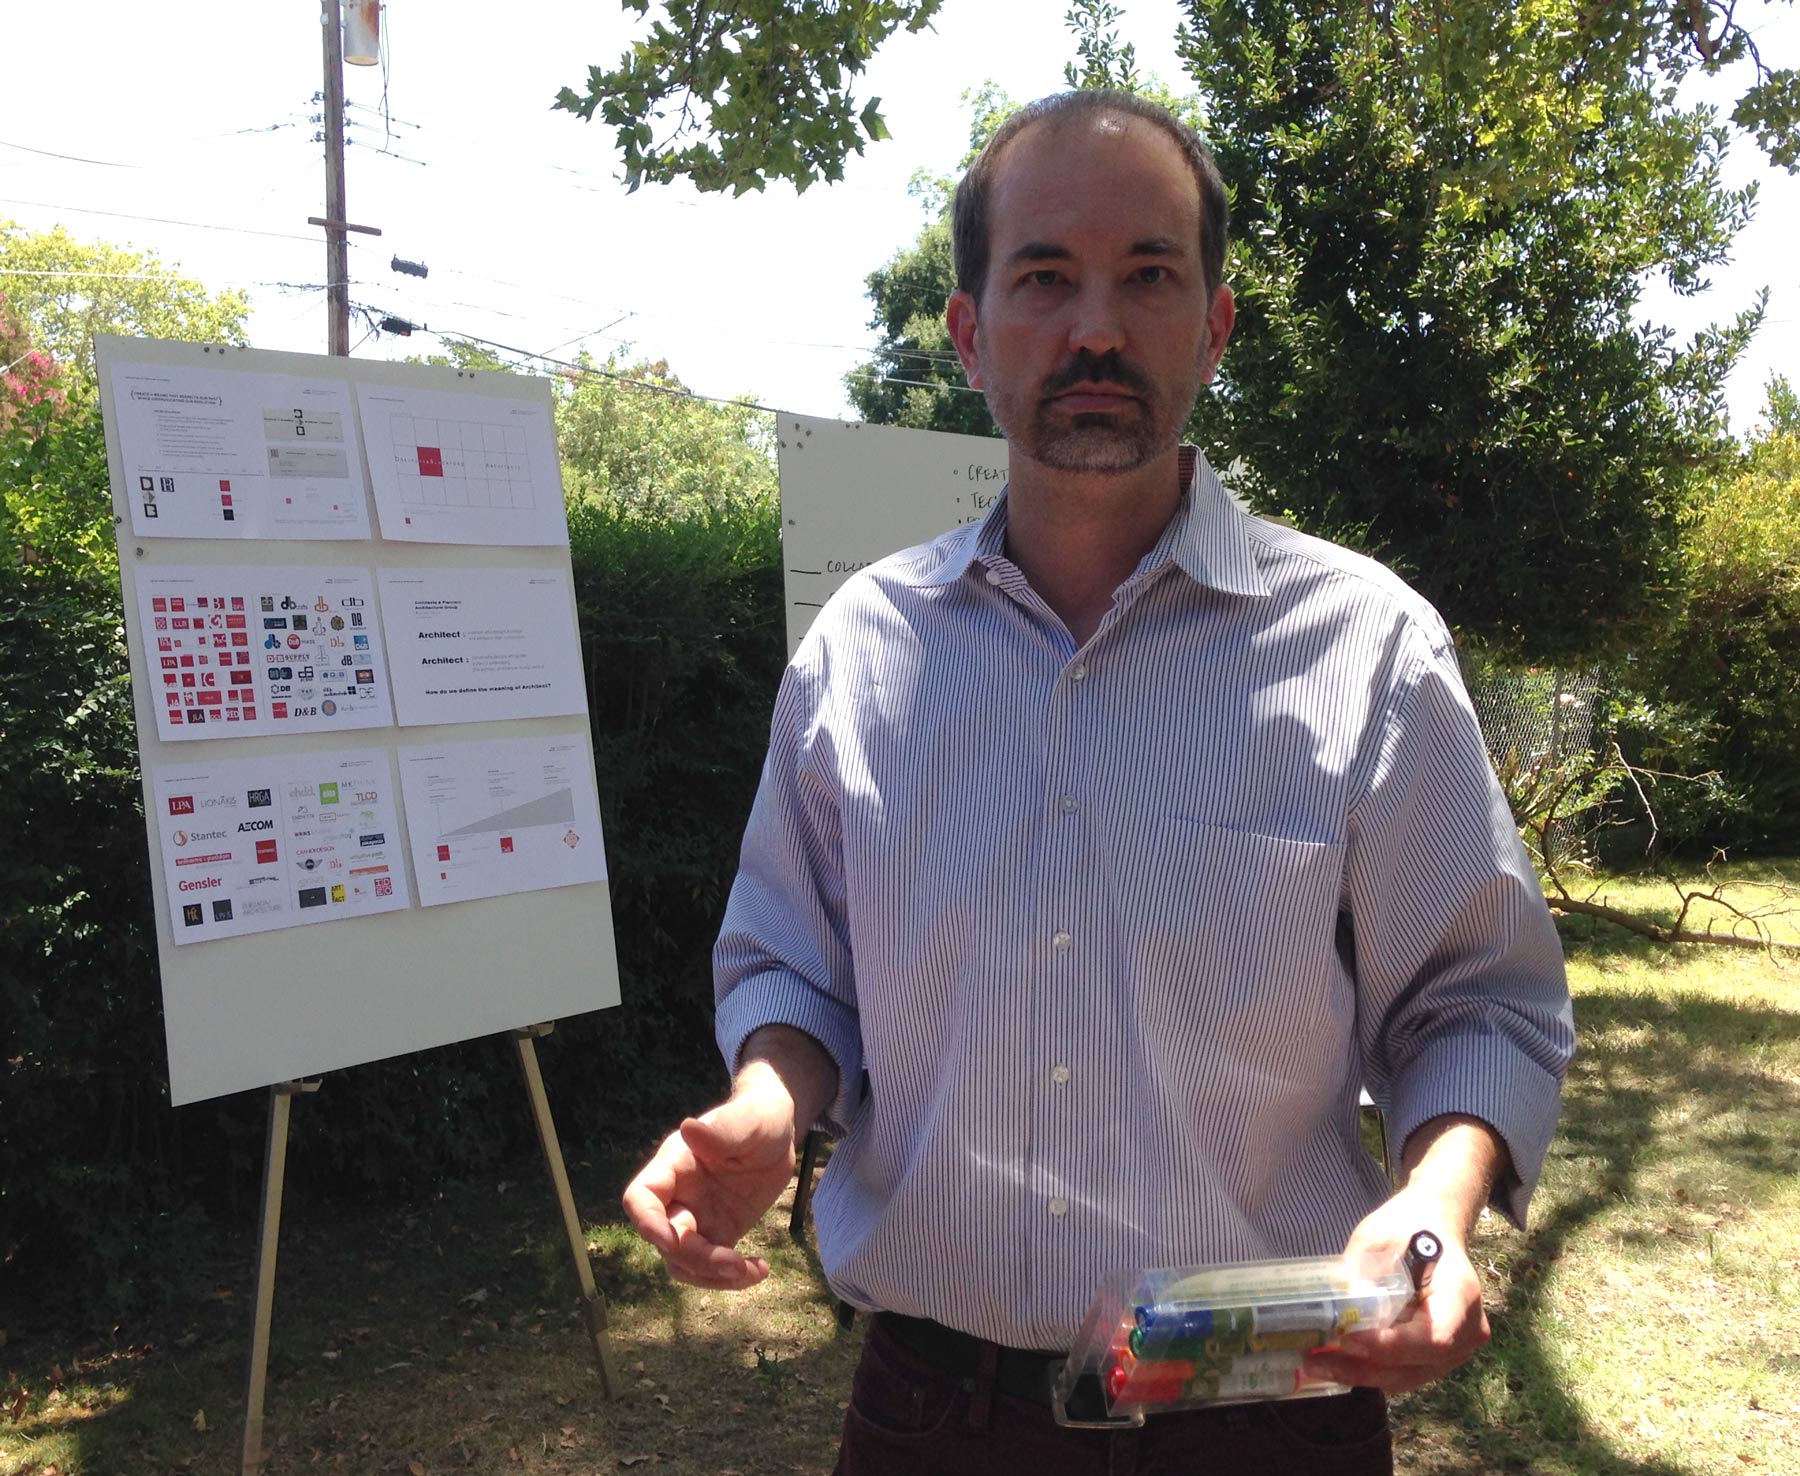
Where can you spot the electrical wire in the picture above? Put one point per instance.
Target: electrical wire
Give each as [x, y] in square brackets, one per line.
[120, 164]
[198, 225]
[665, 389]
[6, 271]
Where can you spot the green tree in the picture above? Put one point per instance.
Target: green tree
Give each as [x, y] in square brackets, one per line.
[1723, 685]
[914, 378]
[760, 90]
[67, 290]
[634, 438]
[745, 93]
[1447, 371]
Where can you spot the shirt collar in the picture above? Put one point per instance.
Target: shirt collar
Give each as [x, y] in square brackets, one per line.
[1208, 538]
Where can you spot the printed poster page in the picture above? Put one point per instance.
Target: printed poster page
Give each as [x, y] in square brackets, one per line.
[223, 453]
[243, 652]
[463, 467]
[249, 845]
[482, 645]
[487, 819]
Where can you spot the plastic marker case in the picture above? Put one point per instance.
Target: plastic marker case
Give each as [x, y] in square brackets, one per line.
[1186, 1337]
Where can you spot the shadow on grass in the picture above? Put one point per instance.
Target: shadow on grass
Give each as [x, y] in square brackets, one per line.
[444, 1333]
[1637, 1054]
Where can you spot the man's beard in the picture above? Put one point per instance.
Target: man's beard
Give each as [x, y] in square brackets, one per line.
[1094, 441]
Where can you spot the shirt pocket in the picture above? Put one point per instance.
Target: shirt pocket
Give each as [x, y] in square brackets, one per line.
[1240, 929]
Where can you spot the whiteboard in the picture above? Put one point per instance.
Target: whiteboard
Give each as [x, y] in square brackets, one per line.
[853, 493]
[250, 1011]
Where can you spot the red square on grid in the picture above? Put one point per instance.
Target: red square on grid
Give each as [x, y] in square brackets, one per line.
[224, 486]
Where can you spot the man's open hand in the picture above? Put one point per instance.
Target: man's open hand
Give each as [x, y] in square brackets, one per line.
[717, 1174]
[713, 1178]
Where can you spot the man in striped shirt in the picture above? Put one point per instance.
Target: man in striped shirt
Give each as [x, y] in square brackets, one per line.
[1104, 850]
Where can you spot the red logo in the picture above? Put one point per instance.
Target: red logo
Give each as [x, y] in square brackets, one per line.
[265, 852]
[160, 605]
[177, 605]
[506, 845]
[443, 853]
[278, 709]
[181, 804]
[249, 714]
[293, 643]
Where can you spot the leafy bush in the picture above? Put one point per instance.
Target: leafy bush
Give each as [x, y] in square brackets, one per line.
[1722, 687]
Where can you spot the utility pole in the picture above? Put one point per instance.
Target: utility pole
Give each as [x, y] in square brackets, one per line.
[336, 223]
[337, 246]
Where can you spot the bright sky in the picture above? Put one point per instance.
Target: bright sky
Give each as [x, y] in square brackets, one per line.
[530, 239]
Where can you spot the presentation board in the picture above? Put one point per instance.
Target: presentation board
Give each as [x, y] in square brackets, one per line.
[367, 836]
[853, 493]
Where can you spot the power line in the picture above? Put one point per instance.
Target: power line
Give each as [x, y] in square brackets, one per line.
[199, 225]
[6, 271]
[119, 164]
[665, 389]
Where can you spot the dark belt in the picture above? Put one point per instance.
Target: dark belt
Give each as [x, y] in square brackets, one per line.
[1017, 1371]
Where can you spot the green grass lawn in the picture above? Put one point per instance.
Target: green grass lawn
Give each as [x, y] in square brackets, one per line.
[1649, 1322]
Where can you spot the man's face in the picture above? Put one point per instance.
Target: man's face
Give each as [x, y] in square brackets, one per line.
[1094, 331]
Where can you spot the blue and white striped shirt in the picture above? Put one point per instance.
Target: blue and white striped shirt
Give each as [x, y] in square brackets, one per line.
[1114, 935]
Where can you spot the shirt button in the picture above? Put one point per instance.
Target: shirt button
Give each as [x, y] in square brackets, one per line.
[1078, 672]
[1061, 942]
[994, 576]
[1068, 804]
[1059, 1207]
[1060, 1075]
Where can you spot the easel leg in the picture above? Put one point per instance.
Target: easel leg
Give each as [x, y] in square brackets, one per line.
[593, 1306]
[267, 1238]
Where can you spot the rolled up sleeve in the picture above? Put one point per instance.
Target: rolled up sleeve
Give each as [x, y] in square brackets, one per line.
[783, 955]
[1463, 1002]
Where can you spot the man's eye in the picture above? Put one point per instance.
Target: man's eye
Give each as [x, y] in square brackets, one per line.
[1047, 277]
[1152, 274]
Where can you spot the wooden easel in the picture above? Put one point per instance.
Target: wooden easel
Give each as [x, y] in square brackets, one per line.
[593, 1305]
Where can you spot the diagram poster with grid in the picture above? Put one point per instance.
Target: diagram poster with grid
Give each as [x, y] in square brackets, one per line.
[293, 932]
[462, 467]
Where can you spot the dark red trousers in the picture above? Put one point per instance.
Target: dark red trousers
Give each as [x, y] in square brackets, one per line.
[910, 1418]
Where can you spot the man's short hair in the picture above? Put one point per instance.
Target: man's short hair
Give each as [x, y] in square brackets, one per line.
[969, 229]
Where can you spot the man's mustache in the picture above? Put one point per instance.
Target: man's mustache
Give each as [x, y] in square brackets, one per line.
[1091, 368]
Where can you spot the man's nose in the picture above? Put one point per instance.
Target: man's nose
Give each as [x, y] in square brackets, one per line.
[1098, 324]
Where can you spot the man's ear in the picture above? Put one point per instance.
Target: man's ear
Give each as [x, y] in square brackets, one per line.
[1219, 320]
[959, 318]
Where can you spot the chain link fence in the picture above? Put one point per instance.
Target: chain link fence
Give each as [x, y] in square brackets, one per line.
[1541, 715]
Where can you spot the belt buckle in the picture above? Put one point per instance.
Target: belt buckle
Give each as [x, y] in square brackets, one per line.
[1083, 1391]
